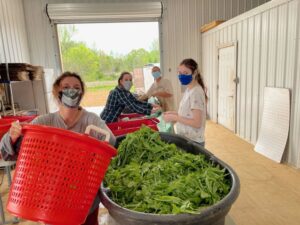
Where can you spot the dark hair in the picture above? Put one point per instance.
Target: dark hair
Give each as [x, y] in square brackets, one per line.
[193, 66]
[55, 88]
[122, 75]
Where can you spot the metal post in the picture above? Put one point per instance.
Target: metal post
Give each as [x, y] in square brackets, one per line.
[2, 212]
[12, 99]
[7, 171]
[7, 166]
[10, 89]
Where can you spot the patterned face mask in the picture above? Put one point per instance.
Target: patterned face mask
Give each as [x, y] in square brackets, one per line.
[70, 97]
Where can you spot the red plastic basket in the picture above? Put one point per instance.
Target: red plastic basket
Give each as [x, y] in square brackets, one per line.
[21, 118]
[5, 122]
[58, 175]
[130, 115]
[125, 127]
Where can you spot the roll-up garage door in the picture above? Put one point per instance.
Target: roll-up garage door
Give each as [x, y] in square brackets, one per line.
[104, 12]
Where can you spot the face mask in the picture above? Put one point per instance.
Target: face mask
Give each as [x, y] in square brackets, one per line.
[127, 85]
[185, 79]
[70, 97]
[156, 74]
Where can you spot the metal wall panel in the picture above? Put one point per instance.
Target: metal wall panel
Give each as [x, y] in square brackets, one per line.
[281, 45]
[268, 55]
[13, 32]
[249, 79]
[2, 56]
[243, 78]
[256, 81]
[294, 140]
[296, 128]
[264, 61]
[272, 56]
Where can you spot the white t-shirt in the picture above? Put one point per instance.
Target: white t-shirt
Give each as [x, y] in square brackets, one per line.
[192, 99]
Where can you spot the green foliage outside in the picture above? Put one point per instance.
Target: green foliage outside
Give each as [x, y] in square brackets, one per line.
[101, 87]
[95, 65]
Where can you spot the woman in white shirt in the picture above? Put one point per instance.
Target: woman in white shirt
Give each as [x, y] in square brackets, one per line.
[191, 117]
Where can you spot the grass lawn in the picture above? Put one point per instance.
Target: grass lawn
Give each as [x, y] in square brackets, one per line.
[105, 87]
[101, 87]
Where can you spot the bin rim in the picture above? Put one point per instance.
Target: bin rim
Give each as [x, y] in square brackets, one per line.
[224, 203]
[84, 138]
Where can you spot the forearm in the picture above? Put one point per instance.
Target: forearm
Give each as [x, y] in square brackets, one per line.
[162, 94]
[196, 123]
[146, 110]
[143, 97]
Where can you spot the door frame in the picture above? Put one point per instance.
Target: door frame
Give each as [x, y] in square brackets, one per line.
[237, 79]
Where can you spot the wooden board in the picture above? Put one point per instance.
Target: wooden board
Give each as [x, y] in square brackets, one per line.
[210, 25]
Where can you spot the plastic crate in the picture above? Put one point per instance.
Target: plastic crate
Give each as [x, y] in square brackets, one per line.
[58, 175]
[21, 118]
[5, 122]
[126, 127]
[130, 116]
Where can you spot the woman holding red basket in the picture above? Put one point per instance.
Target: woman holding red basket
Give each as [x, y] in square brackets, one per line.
[68, 90]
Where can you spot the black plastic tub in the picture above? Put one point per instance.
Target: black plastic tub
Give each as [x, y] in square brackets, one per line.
[213, 215]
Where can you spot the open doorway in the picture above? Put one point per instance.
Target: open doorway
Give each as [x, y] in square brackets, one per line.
[99, 52]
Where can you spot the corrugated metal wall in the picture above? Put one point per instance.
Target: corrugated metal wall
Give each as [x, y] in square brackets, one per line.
[268, 50]
[180, 29]
[13, 35]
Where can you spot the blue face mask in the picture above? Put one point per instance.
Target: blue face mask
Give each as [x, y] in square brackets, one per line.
[156, 74]
[185, 79]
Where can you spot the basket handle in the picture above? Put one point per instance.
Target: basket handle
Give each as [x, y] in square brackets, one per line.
[99, 130]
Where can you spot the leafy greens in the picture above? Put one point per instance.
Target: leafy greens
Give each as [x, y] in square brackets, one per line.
[152, 176]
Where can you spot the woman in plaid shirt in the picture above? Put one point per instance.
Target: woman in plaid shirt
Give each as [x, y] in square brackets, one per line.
[120, 97]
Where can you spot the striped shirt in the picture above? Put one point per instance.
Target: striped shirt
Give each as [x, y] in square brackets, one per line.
[116, 102]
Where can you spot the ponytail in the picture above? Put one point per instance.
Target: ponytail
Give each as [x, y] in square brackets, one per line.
[193, 65]
[201, 83]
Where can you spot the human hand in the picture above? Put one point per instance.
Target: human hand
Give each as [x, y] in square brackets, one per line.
[155, 108]
[170, 116]
[15, 131]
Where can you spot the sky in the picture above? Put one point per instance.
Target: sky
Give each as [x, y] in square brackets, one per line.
[119, 38]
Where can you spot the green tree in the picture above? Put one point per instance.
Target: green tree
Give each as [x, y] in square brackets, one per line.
[84, 61]
[65, 34]
[94, 64]
[154, 54]
[136, 59]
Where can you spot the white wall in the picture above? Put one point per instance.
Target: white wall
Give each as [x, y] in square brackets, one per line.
[181, 30]
[268, 55]
[13, 35]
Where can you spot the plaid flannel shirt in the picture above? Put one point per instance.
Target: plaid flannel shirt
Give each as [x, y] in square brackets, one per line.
[116, 102]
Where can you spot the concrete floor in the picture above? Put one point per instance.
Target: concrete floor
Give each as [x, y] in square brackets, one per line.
[270, 192]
